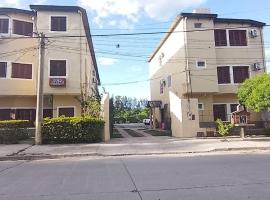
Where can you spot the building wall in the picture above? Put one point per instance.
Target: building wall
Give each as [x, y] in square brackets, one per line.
[20, 51]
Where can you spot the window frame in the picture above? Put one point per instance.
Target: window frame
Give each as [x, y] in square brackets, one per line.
[9, 25]
[228, 109]
[228, 38]
[231, 73]
[225, 36]
[49, 68]
[237, 30]
[201, 60]
[58, 107]
[6, 70]
[50, 24]
[20, 20]
[220, 66]
[200, 109]
[25, 79]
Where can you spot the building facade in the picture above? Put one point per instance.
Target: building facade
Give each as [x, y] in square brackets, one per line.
[202, 60]
[70, 69]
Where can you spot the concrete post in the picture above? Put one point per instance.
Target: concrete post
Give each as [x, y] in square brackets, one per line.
[105, 109]
[242, 132]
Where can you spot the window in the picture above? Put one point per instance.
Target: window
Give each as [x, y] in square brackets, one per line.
[58, 24]
[197, 25]
[220, 112]
[58, 68]
[233, 107]
[47, 113]
[201, 64]
[5, 114]
[200, 106]
[3, 69]
[67, 112]
[4, 25]
[223, 74]
[240, 73]
[161, 85]
[169, 79]
[93, 72]
[238, 37]
[20, 70]
[22, 28]
[220, 37]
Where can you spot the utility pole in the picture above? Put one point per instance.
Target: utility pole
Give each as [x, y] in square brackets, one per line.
[39, 112]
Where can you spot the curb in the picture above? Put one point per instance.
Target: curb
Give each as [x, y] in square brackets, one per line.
[61, 156]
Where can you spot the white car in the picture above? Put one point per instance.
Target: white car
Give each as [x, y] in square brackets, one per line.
[146, 121]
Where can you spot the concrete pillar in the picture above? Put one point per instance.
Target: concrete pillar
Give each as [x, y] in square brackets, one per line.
[242, 132]
[105, 111]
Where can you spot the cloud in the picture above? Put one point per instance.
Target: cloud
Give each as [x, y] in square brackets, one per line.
[131, 10]
[9, 3]
[106, 61]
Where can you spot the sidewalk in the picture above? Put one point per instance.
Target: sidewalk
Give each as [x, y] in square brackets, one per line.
[132, 146]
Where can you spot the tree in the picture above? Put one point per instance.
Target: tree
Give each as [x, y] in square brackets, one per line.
[92, 107]
[255, 93]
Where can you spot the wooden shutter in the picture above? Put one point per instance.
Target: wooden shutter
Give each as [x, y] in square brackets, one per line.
[58, 23]
[238, 37]
[223, 75]
[67, 112]
[4, 25]
[3, 69]
[220, 112]
[240, 73]
[23, 71]
[22, 28]
[220, 37]
[57, 68]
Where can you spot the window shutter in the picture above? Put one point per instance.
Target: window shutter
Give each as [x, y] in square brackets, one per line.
[238, 37]
[223, 75]
[240, 73]
[4, 25]
[220, 37]
[3, 69]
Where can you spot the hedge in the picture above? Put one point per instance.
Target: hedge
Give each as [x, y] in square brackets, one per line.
[12, 131]
[65, 130]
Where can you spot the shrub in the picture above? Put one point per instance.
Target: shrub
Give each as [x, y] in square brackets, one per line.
[72, 130]
[12, 131]
[223, 128]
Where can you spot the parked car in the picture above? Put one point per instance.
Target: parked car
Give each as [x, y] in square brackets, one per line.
[146, 121]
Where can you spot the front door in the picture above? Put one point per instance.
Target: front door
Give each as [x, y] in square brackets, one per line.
[220, 112]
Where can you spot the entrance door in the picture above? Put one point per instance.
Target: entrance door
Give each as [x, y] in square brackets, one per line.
[220, 112]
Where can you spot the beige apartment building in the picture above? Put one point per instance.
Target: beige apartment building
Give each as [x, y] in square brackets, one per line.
[70, 70]
[197, 68]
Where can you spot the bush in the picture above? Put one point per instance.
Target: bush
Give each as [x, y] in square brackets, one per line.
[223, 128]
[72, 130]
[12, 131]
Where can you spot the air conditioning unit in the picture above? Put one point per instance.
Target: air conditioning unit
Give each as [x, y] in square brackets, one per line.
[257, 66]
[253, 33]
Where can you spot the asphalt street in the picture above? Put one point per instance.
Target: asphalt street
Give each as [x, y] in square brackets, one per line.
[239, 177]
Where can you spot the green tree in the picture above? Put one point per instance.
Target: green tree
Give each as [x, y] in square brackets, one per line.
[254, 93]
[92, 107]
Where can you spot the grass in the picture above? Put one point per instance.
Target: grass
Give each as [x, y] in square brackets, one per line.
[133, 133]
[158, 133]
[116, 134]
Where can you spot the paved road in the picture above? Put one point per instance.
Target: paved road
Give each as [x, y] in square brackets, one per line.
[221, 177]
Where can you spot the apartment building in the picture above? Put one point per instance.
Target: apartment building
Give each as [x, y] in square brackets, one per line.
[200, 63]
[70, 70]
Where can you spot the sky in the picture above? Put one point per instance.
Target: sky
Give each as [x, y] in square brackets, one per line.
[122, 60]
